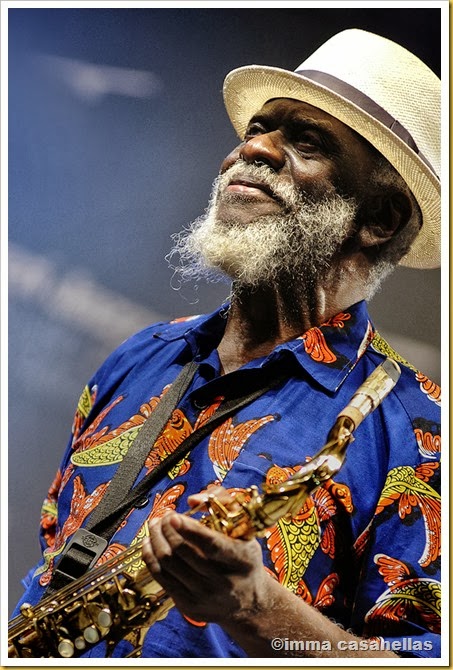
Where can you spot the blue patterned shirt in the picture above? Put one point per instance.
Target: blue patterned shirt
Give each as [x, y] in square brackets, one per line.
[364, 549]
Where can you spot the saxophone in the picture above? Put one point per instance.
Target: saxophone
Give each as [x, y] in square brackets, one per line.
[111, 604]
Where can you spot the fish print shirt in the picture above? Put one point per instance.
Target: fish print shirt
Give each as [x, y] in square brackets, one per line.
[365, 547]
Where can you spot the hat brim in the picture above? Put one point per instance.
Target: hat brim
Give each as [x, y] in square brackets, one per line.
[247, 89]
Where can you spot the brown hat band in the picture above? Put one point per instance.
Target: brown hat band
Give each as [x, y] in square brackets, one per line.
[367, 105]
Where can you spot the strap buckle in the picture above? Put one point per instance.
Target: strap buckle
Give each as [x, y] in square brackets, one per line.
[81, 553]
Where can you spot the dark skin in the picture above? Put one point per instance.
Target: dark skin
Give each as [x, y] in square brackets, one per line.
[319, 154]
[216, 578]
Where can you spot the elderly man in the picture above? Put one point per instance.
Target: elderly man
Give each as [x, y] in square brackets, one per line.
[334, 183]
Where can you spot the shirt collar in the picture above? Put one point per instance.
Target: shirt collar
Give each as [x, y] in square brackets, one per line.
[326, 353]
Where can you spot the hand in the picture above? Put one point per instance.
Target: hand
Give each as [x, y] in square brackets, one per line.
[213, 577]
[210, 577]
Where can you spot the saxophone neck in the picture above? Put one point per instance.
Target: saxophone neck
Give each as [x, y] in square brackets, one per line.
[288, 497]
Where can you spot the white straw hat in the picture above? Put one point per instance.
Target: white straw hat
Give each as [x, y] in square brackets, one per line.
[382, 91]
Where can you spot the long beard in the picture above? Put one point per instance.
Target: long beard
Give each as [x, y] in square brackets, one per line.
[294, 245]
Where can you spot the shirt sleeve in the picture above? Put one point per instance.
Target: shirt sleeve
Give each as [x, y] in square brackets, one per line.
[398, 599]
[95, 395]
[48, 525]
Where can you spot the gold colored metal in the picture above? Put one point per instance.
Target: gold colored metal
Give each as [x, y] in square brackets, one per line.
[109, 604]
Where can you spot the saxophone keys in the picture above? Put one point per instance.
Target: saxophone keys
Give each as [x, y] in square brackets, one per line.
[80, 643]
[127, 599]
[104, 618]
[27, 611]
[91, 634]
[66, 648]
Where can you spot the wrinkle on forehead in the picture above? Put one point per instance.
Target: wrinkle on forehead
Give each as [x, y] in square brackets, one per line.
[293, 108]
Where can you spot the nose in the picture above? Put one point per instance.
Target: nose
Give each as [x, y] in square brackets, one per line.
[265, 148]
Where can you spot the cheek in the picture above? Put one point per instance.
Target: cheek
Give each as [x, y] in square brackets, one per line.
[353, 176]
[315, 179]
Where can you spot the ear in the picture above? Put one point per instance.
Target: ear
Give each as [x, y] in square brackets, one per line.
[382, 217]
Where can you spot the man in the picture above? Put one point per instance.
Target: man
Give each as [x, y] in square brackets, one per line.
[334, 183]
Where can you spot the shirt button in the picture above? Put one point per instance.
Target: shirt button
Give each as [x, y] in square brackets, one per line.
[142, 502]
[198, 404]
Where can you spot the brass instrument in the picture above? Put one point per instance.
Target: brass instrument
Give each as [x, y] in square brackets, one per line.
[107, 603]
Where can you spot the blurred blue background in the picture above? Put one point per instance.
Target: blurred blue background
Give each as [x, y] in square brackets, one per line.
[116, 131]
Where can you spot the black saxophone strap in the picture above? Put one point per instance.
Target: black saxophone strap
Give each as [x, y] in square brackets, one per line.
[86, 546]
[132, 463]
[88, 543]
[110, 522]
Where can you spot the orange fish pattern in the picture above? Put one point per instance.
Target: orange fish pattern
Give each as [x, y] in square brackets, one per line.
[407, 597]
[428, 443]
[316, 346]
[431, 389]
[227, 441]
[410, 488]
[364, 549]
[325, 595]
[293, 542]
[175, 432]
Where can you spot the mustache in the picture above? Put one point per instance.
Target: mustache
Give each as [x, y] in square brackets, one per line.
[264, 176]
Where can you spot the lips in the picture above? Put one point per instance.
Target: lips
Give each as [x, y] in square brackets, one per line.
[250, 187]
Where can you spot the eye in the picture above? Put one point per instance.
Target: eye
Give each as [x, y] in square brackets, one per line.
[307, 141]
[253, 130]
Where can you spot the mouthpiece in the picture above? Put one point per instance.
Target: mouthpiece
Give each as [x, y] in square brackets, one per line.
[372, 392]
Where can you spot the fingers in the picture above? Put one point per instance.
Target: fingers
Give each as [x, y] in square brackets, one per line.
[165, 552]
[179, 544]
[207, 574]
[224, 552]
[177, 566]
[161, 544]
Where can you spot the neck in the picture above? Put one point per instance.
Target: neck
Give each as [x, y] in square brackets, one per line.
[261, 319]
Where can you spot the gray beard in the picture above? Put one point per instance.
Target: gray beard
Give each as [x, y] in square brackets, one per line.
[294, 245]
